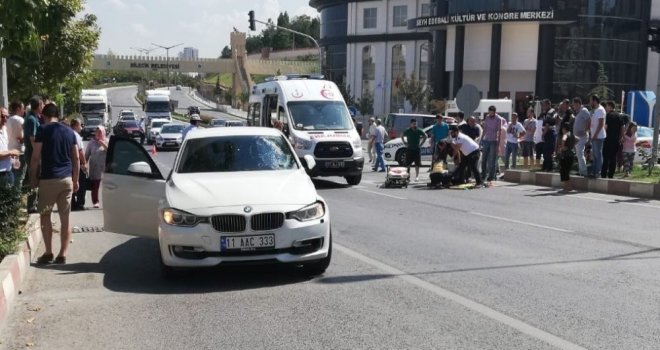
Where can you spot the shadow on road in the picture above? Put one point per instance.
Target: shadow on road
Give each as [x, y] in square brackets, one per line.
[134, 267]
[322, 184]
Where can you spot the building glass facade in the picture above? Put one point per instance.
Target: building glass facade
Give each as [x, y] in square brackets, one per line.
[603, 52]
[334, 27]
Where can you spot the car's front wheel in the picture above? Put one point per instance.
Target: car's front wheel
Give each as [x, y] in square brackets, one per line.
[402, 157]
[353, 180]
[318, 267]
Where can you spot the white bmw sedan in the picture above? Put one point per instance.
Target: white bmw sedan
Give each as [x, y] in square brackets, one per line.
[234, 195]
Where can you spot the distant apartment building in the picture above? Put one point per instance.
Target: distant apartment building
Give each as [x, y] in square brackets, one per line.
[189, 53]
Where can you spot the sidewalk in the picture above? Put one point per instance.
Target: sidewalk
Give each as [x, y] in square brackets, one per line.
[608, 186]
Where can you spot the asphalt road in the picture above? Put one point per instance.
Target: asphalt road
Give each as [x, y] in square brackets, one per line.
[507, 267]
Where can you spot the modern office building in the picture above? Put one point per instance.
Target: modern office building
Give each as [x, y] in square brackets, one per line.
[189, 53]
[507, 48]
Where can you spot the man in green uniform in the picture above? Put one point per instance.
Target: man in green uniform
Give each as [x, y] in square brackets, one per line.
[414, 138]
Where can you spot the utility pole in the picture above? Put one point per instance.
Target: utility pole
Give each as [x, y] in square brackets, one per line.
[167, 49]
[252, 20]
[4, 92]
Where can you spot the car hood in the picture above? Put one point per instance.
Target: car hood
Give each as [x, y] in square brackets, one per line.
[208, 190]
[171, 135]
[154, 129]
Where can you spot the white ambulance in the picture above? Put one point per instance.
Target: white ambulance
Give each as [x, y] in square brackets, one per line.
[316, 121]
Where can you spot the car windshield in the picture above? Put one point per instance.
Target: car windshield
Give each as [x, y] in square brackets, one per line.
[236, 153]
[129, 124]
[159, 124]
[92, 107]
[643, 131]
[157, 106]
[172, 129]
[320, 115]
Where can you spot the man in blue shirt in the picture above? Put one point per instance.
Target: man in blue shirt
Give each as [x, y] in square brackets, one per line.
[30, 127]
[56, 149]
[439, 132]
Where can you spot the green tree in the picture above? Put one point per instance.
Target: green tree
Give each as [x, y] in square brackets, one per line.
[226, 52]
[415, 91]
[366, 102]
[602, 90]
[55, 51]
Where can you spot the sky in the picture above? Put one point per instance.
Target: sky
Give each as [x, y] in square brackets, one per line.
[203, 24]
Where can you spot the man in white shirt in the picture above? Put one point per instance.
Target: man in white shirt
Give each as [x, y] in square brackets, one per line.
[370, 136]
[379, 139]
[597, 128]
[466, 152]
[514, 132]
[6, 154]
[15, 136]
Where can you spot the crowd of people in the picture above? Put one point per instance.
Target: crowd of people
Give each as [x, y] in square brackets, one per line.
[554, 140]
[42, 154]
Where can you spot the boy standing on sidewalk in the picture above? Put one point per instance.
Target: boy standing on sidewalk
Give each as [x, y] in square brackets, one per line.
[56, 149]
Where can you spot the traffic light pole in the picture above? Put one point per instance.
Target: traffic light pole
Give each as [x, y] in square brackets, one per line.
[299, 33]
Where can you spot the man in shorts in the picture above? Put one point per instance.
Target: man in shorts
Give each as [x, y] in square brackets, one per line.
[56, 149]
[413, 138]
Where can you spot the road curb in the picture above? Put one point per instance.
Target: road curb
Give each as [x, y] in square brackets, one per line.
[14, 267]
[608, 186]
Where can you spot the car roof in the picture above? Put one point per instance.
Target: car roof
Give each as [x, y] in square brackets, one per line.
[170, 124]
[237, 131]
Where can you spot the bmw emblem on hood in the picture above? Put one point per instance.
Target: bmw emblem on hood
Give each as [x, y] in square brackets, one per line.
[247, 209]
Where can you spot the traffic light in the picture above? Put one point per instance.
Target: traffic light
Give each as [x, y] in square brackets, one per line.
[253, 27]
[654, 38]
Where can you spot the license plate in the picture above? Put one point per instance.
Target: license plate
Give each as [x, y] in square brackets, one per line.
[247, 242]
[335, 164]
[169, 143]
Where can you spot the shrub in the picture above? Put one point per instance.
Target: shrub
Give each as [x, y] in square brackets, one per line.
[11, 232]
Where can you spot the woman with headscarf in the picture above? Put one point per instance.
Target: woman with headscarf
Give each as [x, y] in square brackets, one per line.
[95, 153]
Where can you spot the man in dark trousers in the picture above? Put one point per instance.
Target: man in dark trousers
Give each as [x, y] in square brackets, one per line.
[414, 138]
[467, 153]
[78, 199]
[56, 149]
[615, 128]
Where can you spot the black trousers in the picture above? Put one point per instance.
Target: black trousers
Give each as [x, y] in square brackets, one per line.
[549, 150]
[565, 165]
[610, 150]
[78, 198]
[469, 162]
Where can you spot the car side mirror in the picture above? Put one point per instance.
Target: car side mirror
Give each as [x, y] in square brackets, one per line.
[310, 162]
[141, 169]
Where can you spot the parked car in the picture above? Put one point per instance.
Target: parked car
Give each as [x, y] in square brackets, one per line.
[170, 136]
[128, 128]
[229, 123]
[215, 123]
[397, 123]
[644, 143]
[235, 195]
[396, 151]
[153, 129]
[89, 127]
[193, 110]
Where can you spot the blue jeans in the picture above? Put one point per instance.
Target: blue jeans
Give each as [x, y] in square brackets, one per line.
[380, 161]
[511, 150]
[596, 156]
[489, 160]
[579, 152]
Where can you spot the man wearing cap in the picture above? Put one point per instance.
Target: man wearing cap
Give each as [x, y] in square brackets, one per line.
[194, 120]
[371, 131]
[490, 143]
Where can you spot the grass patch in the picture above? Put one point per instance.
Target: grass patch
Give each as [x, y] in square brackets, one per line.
[225, 79]
[640, 174]
[12, 219]
[109, 85]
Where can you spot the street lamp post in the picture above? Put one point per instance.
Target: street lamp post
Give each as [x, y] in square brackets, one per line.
[270, 24]
[167, 50]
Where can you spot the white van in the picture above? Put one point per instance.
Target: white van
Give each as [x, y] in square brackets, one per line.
[504, 108]
[316, 121]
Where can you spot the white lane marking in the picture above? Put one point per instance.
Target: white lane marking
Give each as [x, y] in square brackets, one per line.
[465, 302]
[381, 194]
[615, 200]
[520, 222]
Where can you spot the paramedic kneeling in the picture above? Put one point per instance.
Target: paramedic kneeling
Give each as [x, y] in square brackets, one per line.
[467, 153]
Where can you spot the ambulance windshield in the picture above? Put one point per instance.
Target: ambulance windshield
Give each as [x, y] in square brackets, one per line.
[320, 115]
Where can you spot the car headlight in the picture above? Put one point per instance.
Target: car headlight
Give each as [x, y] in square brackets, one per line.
[303, 144]
[357, 143]
[310, 212]
[159, 138]
[176, 217]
